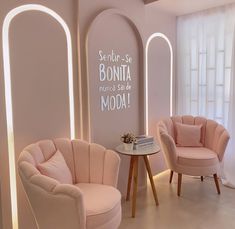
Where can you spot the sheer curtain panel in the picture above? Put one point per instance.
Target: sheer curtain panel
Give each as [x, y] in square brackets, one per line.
[229, 161]
[204, 63]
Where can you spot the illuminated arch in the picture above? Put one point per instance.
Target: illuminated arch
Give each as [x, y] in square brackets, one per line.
[164, 37]
[8, 93]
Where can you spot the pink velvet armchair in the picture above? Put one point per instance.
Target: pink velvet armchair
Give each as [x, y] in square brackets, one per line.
[201, 160]
[80, 190]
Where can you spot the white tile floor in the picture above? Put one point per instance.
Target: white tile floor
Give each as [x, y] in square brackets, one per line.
[199, 207]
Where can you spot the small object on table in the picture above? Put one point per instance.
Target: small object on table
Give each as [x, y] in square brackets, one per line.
[128, 140]
[143, 141]
[128, 146]
[133, 170]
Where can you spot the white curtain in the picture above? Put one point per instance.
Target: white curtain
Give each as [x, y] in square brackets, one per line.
[204, 72]
[229, 159]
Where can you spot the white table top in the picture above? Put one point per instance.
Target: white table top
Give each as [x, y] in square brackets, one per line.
[141, 151]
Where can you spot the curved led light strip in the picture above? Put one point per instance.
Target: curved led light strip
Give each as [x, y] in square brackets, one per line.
[157, 35]
[8, 92]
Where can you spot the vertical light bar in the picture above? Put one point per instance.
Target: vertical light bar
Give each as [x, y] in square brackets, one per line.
[10, 134]
[8, 92]
[157, 35]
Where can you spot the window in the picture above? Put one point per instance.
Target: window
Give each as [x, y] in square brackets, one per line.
[204, 63]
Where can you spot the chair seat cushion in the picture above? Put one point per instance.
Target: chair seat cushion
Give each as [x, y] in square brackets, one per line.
[198, 157]
[102, 204]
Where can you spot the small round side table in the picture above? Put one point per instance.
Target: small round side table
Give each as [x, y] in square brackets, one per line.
[133, 170]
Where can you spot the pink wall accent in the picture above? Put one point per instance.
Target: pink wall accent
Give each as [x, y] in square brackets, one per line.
[39, 84]
[39, 65]
[159, 73]
[159, 92]
[114, 32]
[147, 21]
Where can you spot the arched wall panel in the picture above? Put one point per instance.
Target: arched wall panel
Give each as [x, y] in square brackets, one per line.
[9, 88]
[114, 52]
[150, 39]
[112, 34]
[158, 88]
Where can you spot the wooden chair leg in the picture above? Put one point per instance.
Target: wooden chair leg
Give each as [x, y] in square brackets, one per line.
[179, 184]
[201, 178]
[171, 176]
[216, 183]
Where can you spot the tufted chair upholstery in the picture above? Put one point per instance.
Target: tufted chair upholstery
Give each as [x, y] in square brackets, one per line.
[92, 201]
[195, 161]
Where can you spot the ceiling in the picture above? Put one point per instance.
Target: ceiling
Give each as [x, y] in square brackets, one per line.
[181, 7]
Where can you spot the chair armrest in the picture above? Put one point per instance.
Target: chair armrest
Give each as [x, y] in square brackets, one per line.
[221, 144]
[168, 147]
[111, 168]
[55, 205]
[61, 206]
[76, 194]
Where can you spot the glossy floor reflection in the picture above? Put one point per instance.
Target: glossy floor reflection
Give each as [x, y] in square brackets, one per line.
[199, 207]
